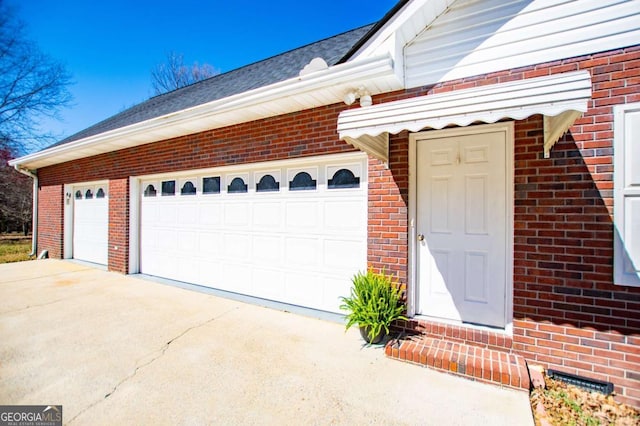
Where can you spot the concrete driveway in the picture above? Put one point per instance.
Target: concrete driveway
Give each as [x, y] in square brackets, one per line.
[116, 349]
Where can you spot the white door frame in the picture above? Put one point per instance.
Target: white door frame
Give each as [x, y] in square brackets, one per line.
[68, 203]
[134, 225]
[508, 129]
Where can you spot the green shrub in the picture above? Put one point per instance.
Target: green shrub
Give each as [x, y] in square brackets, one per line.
[374, 302]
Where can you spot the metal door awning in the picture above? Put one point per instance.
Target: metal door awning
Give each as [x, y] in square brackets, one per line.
[560, 98]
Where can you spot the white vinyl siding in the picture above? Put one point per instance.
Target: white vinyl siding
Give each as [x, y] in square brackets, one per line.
[477, 37]
[627, 194]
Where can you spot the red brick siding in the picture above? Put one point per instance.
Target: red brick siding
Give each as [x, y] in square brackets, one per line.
[388, 201]
[568, 314]
[301, 134]
[119, 225]
[50, 219]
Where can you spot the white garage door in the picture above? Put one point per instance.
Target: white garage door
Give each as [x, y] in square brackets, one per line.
[91, 223]
[291, 232]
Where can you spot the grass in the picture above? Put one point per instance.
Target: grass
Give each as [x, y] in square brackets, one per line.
[14, 249]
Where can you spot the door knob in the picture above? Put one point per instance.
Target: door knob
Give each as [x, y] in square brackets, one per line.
[420, 237]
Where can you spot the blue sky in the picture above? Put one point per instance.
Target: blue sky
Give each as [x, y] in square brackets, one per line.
[111, 46]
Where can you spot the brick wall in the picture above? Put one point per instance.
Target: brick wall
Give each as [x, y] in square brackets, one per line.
[388, 201]
[568, 314]
[119, 225]
[50, 220]
[306, 133]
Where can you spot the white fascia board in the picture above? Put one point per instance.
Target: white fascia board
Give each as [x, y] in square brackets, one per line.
[355, 73]
[349, 74]
[403, 27]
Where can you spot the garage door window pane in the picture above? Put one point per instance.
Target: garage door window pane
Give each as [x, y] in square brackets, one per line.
[78, 195]
[301, 182]
[267, 184]
[88, 195]
[188, 189]
[150, 191]
[211, 185]
[237, 186]
[344, 178]
[100, 193]
[169, 187]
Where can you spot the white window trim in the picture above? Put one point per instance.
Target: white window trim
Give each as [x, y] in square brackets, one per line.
[181, 182]
[621, 273]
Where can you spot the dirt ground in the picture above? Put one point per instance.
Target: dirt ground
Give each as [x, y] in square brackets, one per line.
[569, 405]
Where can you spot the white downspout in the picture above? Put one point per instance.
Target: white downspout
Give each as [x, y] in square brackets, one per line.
[34, 226]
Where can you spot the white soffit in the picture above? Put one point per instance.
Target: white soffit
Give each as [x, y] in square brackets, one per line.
[312, 89]
[561, 98]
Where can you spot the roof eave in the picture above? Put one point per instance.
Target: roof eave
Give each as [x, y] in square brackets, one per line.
[373, 31]
[295, 94]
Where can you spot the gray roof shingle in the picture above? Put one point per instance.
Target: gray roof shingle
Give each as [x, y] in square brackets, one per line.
[262, 73]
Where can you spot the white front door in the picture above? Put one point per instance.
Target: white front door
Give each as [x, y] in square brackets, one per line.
[461, 226]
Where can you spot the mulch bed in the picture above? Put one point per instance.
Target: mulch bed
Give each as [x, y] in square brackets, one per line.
[569, 405]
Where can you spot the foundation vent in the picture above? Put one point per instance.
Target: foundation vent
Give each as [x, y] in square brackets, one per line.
[582, 382]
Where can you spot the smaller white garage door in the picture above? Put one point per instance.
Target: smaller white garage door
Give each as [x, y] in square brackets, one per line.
[294, 232]
[91, 223]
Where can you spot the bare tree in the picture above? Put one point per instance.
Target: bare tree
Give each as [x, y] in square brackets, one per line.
[32, 86]
[15, 197]
[174, 74]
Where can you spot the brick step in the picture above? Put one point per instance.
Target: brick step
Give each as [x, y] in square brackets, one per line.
[473, 362]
